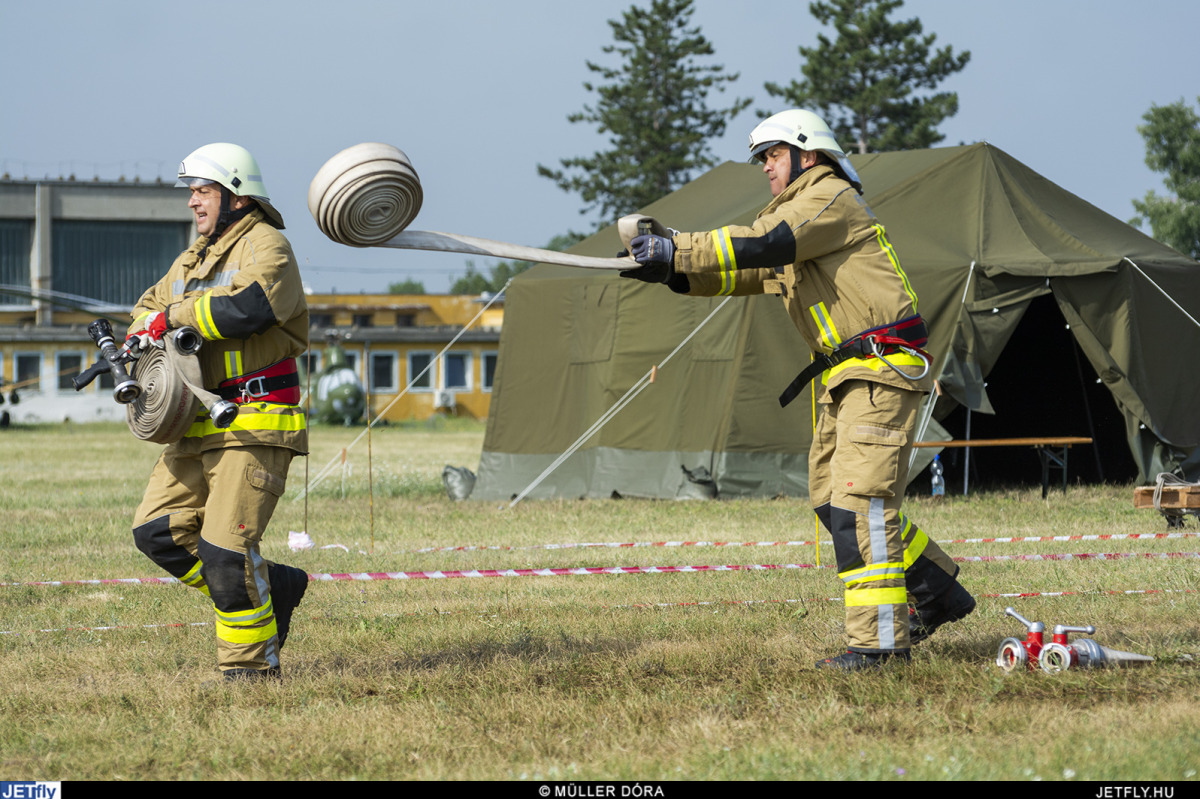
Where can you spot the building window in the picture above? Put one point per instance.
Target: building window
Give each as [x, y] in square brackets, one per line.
[69, 365]
[420, 371]
[28, 371]
[110, 260]
[384, 377]
[488, 378]
[320, 319]
[456, 371]
[364, 320]
[16, 239]
[311, 360]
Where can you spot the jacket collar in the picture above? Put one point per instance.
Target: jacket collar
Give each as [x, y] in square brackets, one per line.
[222, 245]
[808, 178]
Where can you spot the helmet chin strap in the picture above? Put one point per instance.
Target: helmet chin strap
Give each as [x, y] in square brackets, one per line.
[797, 170]
[226, 217]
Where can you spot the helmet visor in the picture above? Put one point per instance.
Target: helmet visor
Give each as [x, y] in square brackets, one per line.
[758, 154]
[188, 182]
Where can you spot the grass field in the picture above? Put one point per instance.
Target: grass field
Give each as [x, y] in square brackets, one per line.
[652, 676]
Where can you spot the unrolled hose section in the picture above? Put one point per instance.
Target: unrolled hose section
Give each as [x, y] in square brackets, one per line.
[365, 195]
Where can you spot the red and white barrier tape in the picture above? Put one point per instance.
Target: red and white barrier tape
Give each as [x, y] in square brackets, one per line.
[586, 570]
[670, 544]
[643, 606]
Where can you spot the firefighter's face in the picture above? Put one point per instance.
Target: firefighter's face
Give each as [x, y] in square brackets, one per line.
[206, 205]
[777, 164]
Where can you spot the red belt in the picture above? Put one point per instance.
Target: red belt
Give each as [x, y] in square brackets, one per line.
[279, 382]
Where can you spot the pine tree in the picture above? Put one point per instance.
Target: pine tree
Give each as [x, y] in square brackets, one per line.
[1172, 134]
[865, 83]
[653, 108]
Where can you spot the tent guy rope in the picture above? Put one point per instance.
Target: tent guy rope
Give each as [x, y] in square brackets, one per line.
[616, 408]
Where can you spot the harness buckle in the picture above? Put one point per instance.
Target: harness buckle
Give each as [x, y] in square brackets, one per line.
[254, 388]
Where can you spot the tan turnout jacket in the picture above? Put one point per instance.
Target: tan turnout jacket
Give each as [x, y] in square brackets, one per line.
[246, 299]
[819, 247]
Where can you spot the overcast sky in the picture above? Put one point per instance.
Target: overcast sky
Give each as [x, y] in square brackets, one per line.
[477, 94]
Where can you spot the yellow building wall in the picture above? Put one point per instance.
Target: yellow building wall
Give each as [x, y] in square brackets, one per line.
[420, 402]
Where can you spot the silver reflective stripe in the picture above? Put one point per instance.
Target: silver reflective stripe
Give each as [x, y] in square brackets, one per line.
[879, 554]
[887, 626]
[212, 163]
[823, 210]
[888, 571]
[878, 531]
[219, 279]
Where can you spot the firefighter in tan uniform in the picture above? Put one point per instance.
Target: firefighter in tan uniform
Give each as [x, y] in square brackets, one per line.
[821, 249]
[211, 494]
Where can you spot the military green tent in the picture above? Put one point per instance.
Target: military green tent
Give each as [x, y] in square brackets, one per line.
[696, 380]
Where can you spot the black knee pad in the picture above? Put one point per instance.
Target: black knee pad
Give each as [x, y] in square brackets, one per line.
[154, 541]
[823, 515]
[225, 573]
[843, 528]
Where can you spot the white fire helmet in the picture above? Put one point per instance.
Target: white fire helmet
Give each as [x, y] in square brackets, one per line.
[802, 129]
[234, 168]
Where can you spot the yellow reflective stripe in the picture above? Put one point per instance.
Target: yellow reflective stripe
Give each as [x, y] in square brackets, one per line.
[248, 419]
[723, 244]
[829, 334]
[873, 573]
[867, 597]
[204, 319]
[886, 245]
[915, 547]
[195, 579]
[246, 635]
[245, 618]
[898, 359]
[141, 319]
[233, 363]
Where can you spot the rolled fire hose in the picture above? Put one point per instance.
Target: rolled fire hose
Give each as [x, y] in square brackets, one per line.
[366, 195]
[173, 391]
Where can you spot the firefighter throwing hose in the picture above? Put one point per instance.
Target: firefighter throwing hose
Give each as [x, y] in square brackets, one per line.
[822, 251]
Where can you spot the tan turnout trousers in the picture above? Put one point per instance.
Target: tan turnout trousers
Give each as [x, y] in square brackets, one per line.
[858, 469]
[202, 518]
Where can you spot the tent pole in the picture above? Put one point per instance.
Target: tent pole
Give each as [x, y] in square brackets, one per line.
[967, 458]
[929, 402]
[812, 392]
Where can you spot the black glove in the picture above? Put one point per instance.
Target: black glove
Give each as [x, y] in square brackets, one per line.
[651, 273]
[656, 254]
[650, 249]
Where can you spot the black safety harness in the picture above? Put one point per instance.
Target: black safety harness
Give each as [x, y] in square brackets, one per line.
[908, 335]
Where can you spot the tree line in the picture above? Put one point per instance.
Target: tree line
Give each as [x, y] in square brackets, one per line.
[874, 80]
